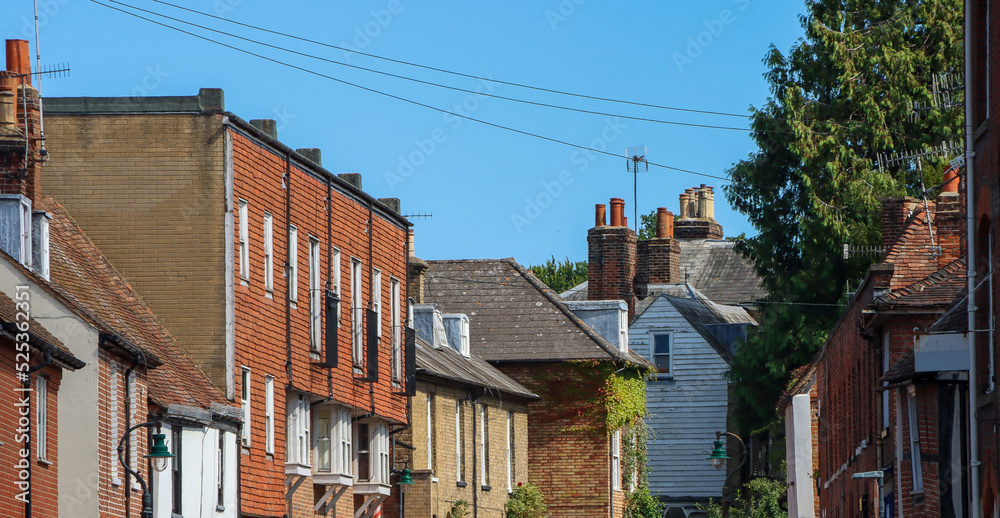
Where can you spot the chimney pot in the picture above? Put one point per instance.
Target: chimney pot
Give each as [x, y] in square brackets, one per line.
[19, 59]
[664, 223]
[950, 180]
[312, 154]
[352, 178]
[710, 205]
[684, 204]
[599, 213]
[391, 203]
[617, 212]
[702, 202]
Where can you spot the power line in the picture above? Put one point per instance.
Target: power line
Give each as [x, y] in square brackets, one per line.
[448, 87]
[398, 98]
[844, 124]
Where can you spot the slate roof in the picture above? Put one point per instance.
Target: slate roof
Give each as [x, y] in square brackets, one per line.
[712, 266]
[904, 369]
[96, 291]
[38, 336]
[513, 316]
[938, 289]
[448, 364]
[703, 314]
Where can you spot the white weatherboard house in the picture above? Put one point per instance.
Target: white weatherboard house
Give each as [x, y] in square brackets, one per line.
[691, 340]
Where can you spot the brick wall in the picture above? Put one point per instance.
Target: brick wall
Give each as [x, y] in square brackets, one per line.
[148, 190]
[19, 174]
[572, 468]
[659, 259]
[428, 497]
[612, 259]
[44, 473]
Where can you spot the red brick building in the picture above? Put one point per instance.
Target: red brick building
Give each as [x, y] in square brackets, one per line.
[877, 410]
[284, 282]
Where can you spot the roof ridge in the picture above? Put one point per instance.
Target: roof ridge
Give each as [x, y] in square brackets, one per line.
[937, 277]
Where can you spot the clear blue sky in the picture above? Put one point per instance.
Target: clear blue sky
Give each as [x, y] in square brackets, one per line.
[492, 193]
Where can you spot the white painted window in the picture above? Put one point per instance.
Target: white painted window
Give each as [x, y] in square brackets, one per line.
[623, 330]
[245, 404]
[380, 471]
[42, 417]
[26, 233]
[269, 413]
[332, 445]
[918, 472]
[397, 330]
[484, 447]
[357, 314]
[244, 242]
[616, 460]
[298, 439]
[661, 353]
[268, 252]
[510, 451]
[377, 298]
[459, 472]
[336, 285]
[430, 432]
[464, 336]
[115, 401]
[315, 297]
[220, 477]
[293, 264]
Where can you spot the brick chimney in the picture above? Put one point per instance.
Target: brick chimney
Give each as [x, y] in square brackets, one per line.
[949, 220]
[612, 257]
[895, 211]
[659, 258]
[696, 219]
[19, 118]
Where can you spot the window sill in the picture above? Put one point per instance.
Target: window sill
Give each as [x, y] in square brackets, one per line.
[115, 481]
[269, 295]
[461, 484]
[299, 470]
[434, 480]
[45, 462]
[220, 508]
[486, 487]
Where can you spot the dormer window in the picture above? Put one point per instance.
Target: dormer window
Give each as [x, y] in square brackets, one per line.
[457, 330]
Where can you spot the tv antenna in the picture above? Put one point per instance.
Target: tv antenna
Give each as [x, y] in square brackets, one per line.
[636, 156]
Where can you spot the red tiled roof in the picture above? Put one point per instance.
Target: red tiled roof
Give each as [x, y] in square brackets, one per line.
[912, 255]
[84, 277]
[937, 289]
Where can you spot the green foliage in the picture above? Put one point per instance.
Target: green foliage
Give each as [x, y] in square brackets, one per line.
[635, 454]
[615, 399]
[642, 504]
[759, 498]
[526, 501]
[647, 226]
[841, 95]
[459, 509]
[561, 275]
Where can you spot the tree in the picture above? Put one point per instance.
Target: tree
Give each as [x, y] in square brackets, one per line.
[561, 276]
[842, 94]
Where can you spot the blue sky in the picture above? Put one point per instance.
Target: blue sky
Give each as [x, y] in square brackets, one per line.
[493, 193]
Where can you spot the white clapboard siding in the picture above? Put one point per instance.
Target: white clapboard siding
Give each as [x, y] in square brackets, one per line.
[685, 411]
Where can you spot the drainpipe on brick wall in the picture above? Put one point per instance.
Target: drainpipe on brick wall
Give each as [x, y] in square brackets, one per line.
[27, 391]
[971, 268]
[288, 305]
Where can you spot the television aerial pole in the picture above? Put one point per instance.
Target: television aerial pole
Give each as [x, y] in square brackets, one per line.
[636, 156]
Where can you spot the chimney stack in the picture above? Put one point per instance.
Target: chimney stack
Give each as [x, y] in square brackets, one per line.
[696, 219]
[611, 257]
[659, 259]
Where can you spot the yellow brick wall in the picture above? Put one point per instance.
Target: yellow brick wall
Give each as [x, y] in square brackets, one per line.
[429, 498]
[164, 228]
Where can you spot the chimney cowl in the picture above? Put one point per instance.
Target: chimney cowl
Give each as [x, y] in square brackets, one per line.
[599, 215]
[664, 223]
[19, 59]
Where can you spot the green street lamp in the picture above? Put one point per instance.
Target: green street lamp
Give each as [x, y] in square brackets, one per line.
[405, 477]
[158, 453]
[719, 456]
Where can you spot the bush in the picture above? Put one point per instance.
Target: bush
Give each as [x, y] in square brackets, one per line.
[526, 501]
[459, 509]
[642, 504]
[760, 498]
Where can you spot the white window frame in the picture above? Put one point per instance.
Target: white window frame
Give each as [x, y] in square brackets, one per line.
[463, 332]
[510, 449]
[298, 441]
[42, 417]
[245, 398]
[115, 399]
[430, 432]
[339, 434]
[268, 253]
[395, 292]
[346, 435]
[380, 469]
[915, 465]
[293, 264]
[315, 296]
[337, 277]
[357, 314]
[623, 330]
[484, 445]
[269, 414]
[459, 472]
[616, 460]
[244, 241]
[670, 355]
[377, 298]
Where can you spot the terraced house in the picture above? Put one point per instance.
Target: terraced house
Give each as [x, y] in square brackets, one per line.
[284, 282]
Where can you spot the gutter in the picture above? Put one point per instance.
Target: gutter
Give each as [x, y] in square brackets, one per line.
[970, 155]
[151, 360]
[64, 358]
